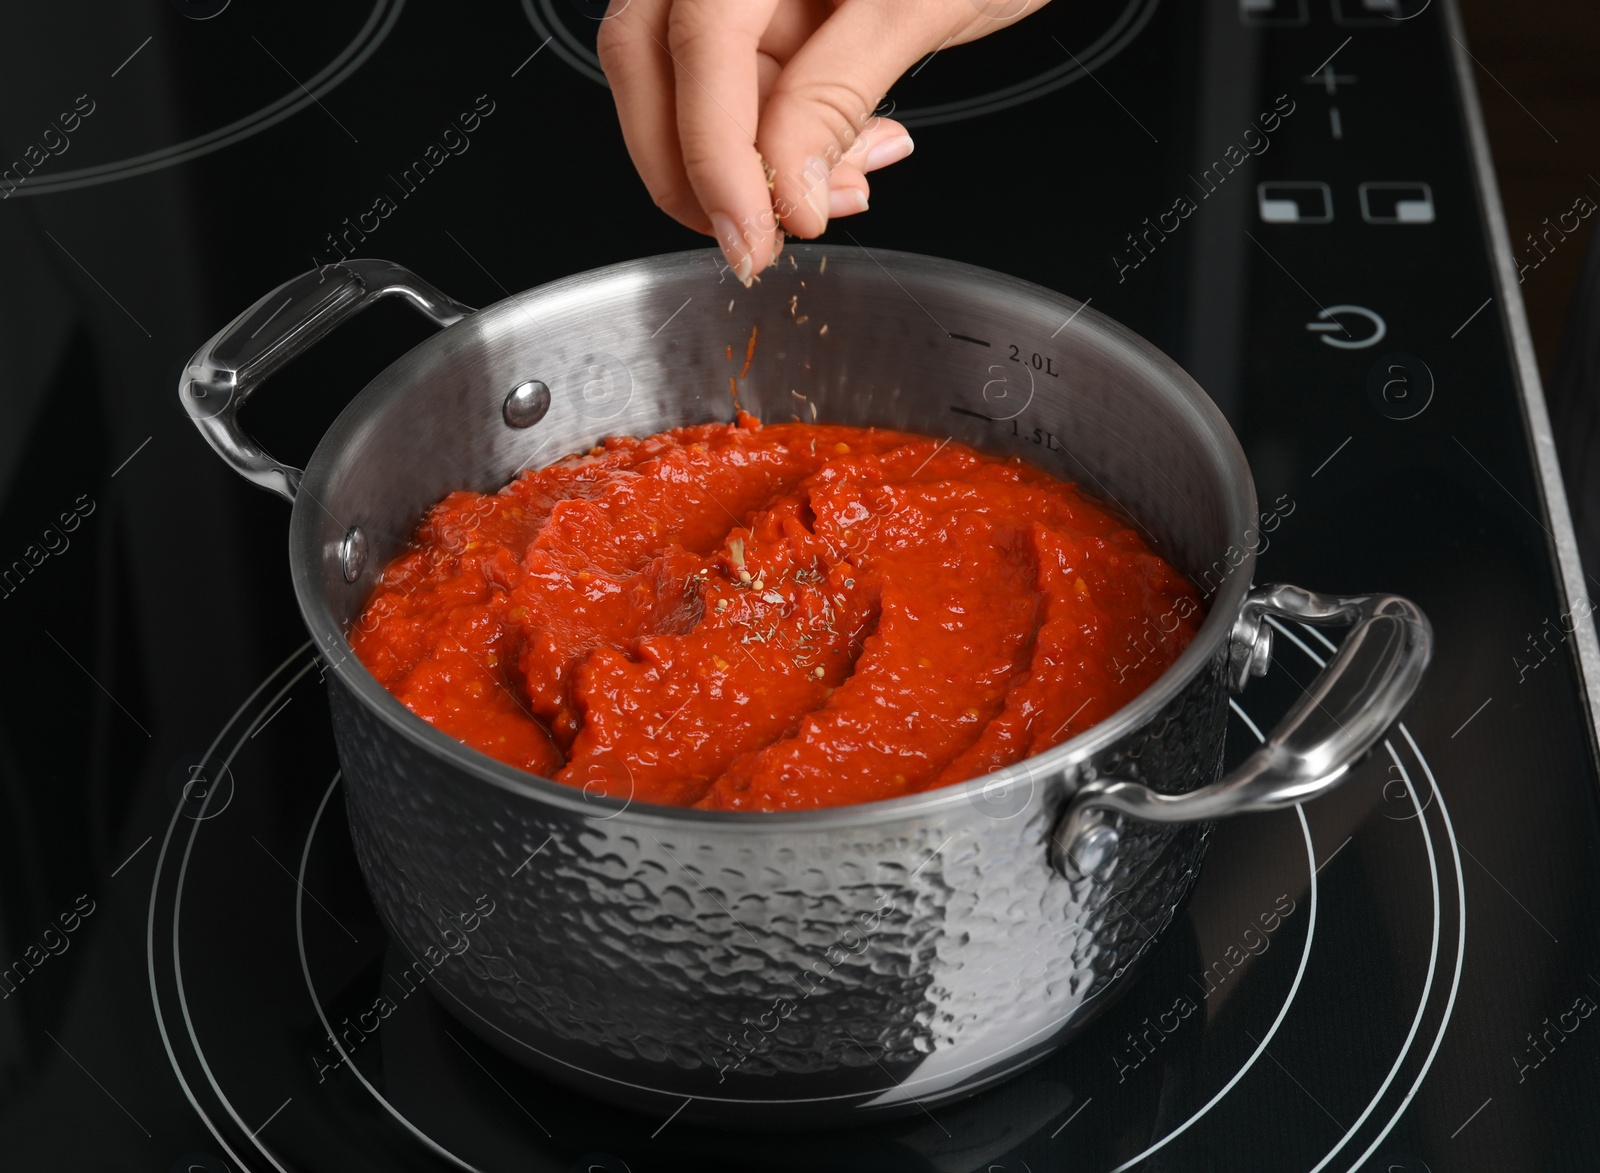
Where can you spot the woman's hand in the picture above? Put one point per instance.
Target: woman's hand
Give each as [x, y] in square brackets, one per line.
[708, 89]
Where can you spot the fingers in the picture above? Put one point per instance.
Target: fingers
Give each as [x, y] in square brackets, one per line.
[881, 142]
[792, 25]
[633, 54]
[827, 93]
[714, 45]
[689, 79]
[848, 191]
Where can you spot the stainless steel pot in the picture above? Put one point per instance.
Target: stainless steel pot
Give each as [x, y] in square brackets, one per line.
[803, 967]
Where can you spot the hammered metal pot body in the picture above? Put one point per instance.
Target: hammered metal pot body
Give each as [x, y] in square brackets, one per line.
[802, 967]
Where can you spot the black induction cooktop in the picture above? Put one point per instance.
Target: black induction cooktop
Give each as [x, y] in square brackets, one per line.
[1291, 197]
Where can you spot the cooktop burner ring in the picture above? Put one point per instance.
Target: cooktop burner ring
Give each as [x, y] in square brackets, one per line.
[374, 31]
[346, 1060]
[666, 1094]
[441, 1150]
[548, 22]
[266, 700]
[1420, 808]
[155, 884]
[127, 689]
[1436, 795]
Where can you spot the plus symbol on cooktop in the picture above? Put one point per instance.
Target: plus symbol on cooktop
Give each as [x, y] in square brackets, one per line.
[1329, 79]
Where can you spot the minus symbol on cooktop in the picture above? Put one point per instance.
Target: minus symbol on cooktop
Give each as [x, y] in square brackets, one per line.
[967, 338]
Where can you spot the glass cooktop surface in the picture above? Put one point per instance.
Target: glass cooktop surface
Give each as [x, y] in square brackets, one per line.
[1287, 196]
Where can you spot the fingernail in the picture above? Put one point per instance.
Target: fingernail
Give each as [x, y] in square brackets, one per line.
[890, 151]
[846, 201]
[816, 180]
[733, 246]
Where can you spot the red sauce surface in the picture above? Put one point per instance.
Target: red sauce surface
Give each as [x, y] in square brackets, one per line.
[750, 617]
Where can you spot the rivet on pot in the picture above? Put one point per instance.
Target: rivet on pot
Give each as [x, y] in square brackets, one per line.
[1249, 649]
[1096, 849]
[1261, 653]
[353, 553]
[1084, 843]
[526, 404]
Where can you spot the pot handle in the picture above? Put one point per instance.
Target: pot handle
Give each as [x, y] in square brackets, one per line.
[225, 372]
[1345, 710]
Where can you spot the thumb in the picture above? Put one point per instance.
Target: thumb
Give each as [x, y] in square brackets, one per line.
[826, 95]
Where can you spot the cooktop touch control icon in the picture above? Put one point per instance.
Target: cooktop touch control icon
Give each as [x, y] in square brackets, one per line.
[1396, 203]
[1379, 13]
[1272, 12]
[1366, 327]
[1294, 202]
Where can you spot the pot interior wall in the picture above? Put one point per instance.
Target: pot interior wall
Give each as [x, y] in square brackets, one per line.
[909, 342]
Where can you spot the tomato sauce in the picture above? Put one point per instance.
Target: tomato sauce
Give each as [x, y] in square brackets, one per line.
[771, 617]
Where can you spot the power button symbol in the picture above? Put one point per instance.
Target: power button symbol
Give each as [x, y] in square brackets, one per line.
[1400, 386]
[1369, 327]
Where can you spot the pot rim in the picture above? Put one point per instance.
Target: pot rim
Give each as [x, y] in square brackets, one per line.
[1210, 427]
